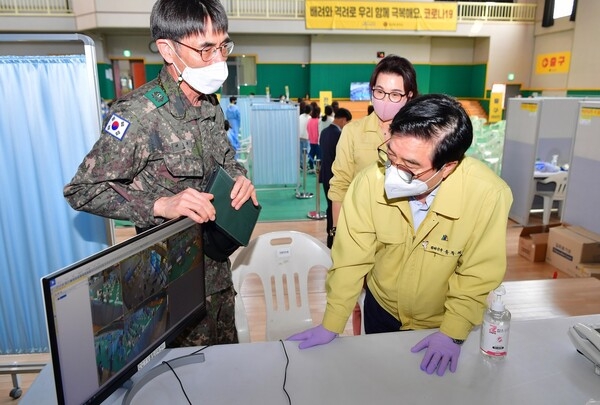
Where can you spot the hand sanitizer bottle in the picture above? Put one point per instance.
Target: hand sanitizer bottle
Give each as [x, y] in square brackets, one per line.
[495, 327]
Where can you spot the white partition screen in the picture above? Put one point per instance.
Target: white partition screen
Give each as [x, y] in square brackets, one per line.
[583, 188]
[535, 129]
[518, 158]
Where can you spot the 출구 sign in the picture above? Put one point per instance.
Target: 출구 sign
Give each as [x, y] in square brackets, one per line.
[553, 63]
[362, 15]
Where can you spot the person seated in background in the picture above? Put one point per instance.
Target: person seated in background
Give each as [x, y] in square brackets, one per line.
[426, 226]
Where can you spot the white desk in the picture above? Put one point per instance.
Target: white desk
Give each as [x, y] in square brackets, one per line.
[540, 175]
[542, 368]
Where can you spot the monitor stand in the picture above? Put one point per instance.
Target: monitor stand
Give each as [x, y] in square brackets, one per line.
[134, 388]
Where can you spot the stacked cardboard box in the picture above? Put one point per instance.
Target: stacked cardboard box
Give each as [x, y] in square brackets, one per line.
[589, 269]
[533, 241]
[571, 246]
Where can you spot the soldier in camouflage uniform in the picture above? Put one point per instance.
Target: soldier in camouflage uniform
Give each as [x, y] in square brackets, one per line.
[160, 142]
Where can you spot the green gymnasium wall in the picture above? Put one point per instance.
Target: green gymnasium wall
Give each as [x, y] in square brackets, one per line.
[277, 76]
[583, 93]
[465, 81]
[337, 77]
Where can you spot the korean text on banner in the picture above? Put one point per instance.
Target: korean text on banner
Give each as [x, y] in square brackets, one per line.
[413, 16]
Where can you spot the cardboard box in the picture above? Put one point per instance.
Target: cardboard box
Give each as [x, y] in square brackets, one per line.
[569, 246]
[533, 242]
[589, 270]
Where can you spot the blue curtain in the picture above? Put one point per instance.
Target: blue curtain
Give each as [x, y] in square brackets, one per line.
[245, 104]
[275, 145]
[48, 122]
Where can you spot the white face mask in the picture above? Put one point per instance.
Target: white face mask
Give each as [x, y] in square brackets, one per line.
[207, 79]
[396, 187]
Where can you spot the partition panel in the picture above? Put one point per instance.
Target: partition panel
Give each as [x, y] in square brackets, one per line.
[518, 158]
[275, 144]
[558, 120]
[535, 129]
[583, 189]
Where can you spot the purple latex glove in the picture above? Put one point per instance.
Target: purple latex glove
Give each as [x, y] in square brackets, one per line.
[313, 337]
[441, 353]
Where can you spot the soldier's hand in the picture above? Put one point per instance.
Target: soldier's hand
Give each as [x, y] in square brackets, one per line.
[189, 203]
[242, 190]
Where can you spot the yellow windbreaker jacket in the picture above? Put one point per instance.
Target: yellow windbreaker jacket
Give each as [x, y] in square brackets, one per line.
[438, 276]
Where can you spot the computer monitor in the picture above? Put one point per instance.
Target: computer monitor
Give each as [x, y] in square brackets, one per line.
[107, 313]
[360, 91]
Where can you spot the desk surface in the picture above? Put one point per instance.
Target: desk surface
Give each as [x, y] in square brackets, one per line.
[542, 175]
[542, 367]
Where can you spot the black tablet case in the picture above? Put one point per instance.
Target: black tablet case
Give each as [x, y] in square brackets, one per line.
[237, 224]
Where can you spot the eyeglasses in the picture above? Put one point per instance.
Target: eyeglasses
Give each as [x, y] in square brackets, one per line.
[207, 54]
[404, 172]
[394, 96]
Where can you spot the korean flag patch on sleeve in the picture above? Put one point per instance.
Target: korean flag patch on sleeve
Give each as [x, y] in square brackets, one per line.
[117, 126]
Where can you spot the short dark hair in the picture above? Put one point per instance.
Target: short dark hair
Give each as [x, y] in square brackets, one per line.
[328, 112]
[343, 113]
[399, 66]
[232, 99]
[316, 111]
[177, 19]
[439, 119]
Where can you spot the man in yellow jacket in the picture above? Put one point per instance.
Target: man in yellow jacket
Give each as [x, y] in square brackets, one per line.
[426, 226]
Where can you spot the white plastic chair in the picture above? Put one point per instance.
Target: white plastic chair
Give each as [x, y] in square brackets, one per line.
[244, 156]
[282, 260]
[361, 304]
[558, 194]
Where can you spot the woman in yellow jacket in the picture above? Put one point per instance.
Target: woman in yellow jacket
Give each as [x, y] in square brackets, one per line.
[393, 83]
[427, 228]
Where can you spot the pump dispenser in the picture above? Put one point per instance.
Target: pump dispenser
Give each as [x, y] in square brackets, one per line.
[495, 327]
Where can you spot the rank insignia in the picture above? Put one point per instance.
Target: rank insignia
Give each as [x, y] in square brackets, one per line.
[157, 95]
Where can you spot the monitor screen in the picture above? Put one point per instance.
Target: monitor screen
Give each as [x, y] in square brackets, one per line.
[107, 313]
[360, 91]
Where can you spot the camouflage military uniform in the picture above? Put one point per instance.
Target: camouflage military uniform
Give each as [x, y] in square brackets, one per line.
[156, 143]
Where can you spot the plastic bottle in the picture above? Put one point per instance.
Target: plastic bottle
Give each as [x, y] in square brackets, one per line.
[495, 327]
